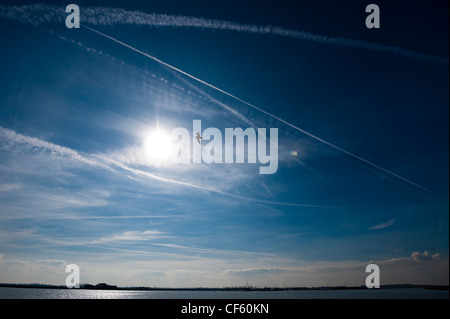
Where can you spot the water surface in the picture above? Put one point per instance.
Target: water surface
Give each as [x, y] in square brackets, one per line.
[38, 293]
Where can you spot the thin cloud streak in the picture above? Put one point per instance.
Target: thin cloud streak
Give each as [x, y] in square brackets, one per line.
[263, 111]
[37, 14]
[215, 251]
[383, 225]
[234, 112]
[119, 16]
[204, 188]
[18, 142]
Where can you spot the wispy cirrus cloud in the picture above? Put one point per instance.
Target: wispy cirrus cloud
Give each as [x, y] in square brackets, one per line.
[133, 236]
[15, 142]
[9, 187]
[18, 143]
[383, 225]
[120, 16]
[51, 262]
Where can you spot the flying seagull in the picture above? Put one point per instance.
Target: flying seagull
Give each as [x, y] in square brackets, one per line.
[199, 138]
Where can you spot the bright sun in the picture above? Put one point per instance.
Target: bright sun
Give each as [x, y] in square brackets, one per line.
[158, 145]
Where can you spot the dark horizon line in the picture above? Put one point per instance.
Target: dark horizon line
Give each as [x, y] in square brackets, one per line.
[242, 288]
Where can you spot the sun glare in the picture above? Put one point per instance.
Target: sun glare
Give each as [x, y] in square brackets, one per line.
[158, 146]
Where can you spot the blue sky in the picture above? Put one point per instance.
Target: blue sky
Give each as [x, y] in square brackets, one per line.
[366, 112]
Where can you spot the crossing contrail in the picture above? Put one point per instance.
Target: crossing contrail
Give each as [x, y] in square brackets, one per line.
[37, 14]
[259, 109]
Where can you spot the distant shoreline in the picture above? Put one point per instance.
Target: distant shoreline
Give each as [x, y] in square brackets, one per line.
[108, 287]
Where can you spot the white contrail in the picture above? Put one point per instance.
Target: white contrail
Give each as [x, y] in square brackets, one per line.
[11, 140]
[15, 142]
[234, 112]
[41, 13]
[261, 110]
[37, 14]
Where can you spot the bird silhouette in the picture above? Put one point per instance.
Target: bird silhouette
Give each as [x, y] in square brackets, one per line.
[199, 138]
